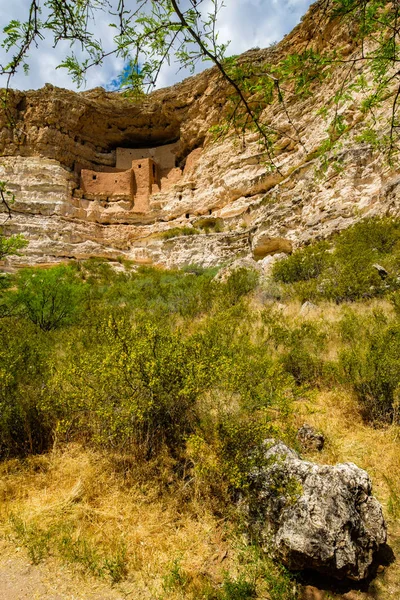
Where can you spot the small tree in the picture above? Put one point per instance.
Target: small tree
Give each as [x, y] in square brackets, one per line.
[49, 298]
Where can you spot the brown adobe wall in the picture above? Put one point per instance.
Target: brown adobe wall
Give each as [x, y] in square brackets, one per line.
[164, 156]
[79, 167]
[140, 180]
[110, 185]
[135, 184]
[145, 178]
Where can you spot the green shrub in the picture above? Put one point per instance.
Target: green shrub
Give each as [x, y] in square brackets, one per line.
[379, 235]
[352, 275]
[8, 305]
[300, 347]
[178, 231]
[133, 369]
[304, 264]
[343, 269]
[352, 281]
[238, 441]
[168, 293]
[302, 356]
[24, 370]
[240, 283]
[97, 271]
[138, 384]
[249, 402]
[137, 387]
[49, 298]
[371, 364]
[11, 245]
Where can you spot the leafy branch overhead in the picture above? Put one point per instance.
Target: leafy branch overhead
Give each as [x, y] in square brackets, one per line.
[151, 33]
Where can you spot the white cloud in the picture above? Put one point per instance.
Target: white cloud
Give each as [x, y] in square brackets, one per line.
[249, 24]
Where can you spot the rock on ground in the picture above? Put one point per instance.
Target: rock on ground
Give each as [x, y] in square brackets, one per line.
[310, 439]
[317, 517]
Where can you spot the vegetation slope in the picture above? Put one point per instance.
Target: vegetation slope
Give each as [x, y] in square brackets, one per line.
[134, 402]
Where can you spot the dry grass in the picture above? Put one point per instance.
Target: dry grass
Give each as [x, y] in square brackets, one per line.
[175, 546]
[108, 507]
[323, 312]
[141, 519]
[348, 439]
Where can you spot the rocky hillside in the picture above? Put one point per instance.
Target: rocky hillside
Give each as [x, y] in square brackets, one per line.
[228, 198]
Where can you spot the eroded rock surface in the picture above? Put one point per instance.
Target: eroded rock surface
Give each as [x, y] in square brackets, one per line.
[317, 517]
[49, 137]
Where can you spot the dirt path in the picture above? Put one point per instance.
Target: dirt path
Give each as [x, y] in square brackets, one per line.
[19, 580]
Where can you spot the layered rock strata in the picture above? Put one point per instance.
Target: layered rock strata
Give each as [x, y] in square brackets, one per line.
[222, 190]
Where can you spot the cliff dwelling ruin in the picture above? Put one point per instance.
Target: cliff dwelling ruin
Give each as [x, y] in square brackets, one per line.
[138, 173]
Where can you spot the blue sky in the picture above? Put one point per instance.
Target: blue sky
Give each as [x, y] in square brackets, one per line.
[249, 24]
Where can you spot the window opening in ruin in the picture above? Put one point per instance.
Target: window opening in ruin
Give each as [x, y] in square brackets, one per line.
[187, 215]
[139, 166]
[94, 176]
[210, 212]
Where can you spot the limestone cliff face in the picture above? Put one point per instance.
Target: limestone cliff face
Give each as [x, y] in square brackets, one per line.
[224, 189]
